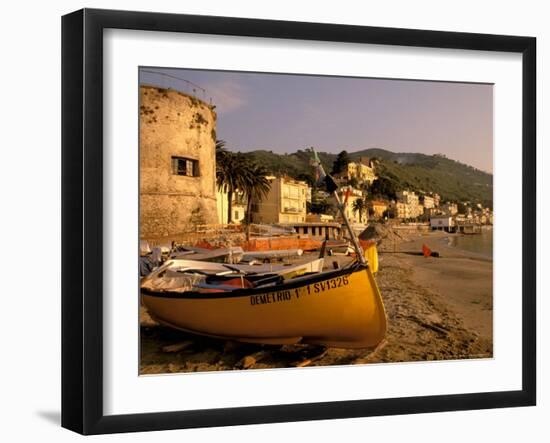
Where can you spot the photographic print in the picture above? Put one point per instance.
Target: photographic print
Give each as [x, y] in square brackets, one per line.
[293, 221]
[320, 210]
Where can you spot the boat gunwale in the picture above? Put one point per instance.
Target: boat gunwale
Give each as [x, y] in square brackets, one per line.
[245, 292]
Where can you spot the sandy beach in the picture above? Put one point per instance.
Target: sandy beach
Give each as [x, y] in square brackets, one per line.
[438, 308]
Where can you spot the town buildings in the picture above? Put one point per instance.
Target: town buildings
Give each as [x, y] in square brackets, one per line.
[450, 208]
[319, 218]
[469, 221]
[403, 210]
[352, 195]
[285, 203]
[408, 205]
[442, 223]
[437, 200]
[238, 207]
[430, 212]
[408, 197]
[428, 202]
[378, 208]
[362, 170]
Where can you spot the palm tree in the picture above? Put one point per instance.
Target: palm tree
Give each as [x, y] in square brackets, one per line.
[231, 174]
[256, 187]
[235, 173]
[359, 205]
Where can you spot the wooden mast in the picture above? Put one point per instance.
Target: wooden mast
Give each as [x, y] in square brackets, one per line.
[331, 185]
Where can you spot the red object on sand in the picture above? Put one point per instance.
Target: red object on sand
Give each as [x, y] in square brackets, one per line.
[426, 251]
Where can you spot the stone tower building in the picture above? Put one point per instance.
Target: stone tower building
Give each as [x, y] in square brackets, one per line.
[177, 162]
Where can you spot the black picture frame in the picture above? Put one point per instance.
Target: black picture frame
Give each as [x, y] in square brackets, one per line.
[82, 220]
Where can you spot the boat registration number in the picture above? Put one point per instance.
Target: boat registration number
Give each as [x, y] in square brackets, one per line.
[296, 293]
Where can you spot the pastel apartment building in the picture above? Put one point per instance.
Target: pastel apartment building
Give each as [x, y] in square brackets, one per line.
[285, 202]
[362, 170]
[379, 207]
[428, 202]
[408, 205]
[353, 196]
[238, 207]
[450, 208]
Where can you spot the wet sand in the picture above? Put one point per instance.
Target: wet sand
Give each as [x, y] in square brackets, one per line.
[437, 308]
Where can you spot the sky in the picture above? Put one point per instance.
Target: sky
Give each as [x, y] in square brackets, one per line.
[285, 112]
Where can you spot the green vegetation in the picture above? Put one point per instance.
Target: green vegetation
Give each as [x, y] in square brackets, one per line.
[228, 174]
[199, 119]
[237, 173]
[295, 165]
[341, 163]
[451, 179]
[255, 188]
[321, 205]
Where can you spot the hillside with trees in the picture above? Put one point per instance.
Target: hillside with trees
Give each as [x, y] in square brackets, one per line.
[451, 179]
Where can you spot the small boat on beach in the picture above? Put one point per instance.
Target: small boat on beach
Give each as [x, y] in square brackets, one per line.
[278, 254]
[210, 268]
[338, 246]
[340, 308]
[262, 230]
[220, 255]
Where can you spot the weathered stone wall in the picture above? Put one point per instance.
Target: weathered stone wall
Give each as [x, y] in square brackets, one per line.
[175, 124]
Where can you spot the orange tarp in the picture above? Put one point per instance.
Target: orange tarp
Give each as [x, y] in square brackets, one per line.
[276, 244]
[272, 244]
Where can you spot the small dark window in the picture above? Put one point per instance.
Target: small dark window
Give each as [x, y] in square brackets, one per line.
[185, 166]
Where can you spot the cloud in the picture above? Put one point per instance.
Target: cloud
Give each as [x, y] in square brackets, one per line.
[227, 95]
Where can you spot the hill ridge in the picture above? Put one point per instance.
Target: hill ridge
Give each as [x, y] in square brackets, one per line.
[453, 180]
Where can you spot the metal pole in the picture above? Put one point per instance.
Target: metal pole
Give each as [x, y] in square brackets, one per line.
[355, 241]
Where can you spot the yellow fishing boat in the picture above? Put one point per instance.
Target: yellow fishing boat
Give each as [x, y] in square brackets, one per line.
[339, 308]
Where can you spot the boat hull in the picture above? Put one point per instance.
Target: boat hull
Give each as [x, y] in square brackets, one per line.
[339, 309]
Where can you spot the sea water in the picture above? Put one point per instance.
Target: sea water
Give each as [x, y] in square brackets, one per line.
[479, 243]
